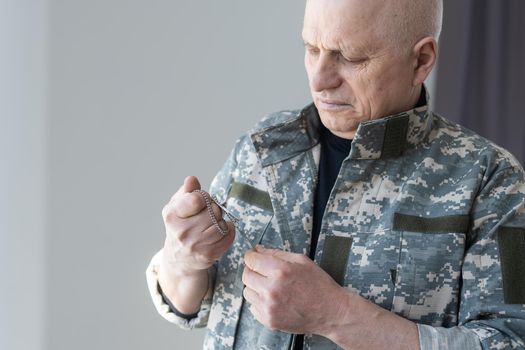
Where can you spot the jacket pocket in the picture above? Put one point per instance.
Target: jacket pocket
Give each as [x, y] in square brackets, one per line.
[362, 262]
[428, 275]
[372, 258]
[252, 210]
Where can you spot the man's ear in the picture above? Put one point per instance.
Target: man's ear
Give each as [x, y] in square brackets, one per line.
[425, 54]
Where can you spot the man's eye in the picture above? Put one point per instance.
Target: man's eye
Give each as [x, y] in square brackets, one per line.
[356, 60]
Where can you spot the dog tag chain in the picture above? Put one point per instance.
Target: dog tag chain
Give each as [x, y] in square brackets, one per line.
[209, 201]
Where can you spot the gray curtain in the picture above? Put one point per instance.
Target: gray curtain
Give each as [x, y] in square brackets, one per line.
[481, 69]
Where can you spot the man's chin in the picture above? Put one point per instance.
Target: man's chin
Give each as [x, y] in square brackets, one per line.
[341, 120]
[337, 127]
[345, 133]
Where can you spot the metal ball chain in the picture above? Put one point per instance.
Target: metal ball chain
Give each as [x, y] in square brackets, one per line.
[209, 200]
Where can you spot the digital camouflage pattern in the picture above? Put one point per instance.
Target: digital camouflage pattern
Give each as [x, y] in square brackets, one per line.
[422, 199]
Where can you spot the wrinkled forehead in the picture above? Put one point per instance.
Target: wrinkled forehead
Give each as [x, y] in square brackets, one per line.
[334, 24]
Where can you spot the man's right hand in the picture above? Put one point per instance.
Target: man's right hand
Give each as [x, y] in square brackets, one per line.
[193, 242]
[192, 245]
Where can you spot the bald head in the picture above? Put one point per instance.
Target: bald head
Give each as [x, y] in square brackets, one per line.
[408, 21]
[400, 22]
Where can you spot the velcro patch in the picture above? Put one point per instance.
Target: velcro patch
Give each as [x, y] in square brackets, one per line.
[511, 242]
[394, 142]
[335, 256]
[251, 195]
[441, 224]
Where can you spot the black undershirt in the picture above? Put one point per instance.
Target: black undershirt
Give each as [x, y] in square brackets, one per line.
[334, 150]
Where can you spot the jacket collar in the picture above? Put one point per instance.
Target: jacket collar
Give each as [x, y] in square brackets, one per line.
[382, 138]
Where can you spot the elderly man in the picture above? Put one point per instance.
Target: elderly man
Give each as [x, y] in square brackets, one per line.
[363, 221]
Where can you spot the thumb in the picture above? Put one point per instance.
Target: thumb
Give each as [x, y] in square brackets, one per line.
[186, 203]
[191, 183]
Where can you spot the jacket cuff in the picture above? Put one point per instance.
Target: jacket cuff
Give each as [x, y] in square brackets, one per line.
[436, 338]
[173, 308]
[164, 309]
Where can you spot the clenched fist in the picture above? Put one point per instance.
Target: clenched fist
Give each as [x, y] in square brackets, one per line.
[193, 243]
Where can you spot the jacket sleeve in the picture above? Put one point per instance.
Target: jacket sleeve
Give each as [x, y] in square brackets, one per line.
[492, 310]
[164, 309]
[220, 187]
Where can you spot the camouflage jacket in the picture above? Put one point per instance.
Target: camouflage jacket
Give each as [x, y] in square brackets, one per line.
[431, 215]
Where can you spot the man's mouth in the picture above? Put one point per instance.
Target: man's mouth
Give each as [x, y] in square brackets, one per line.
[333, 105]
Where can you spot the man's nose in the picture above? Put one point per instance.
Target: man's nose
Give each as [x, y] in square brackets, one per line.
[325, 74]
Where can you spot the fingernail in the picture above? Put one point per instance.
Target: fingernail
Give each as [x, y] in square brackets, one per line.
[259, 247]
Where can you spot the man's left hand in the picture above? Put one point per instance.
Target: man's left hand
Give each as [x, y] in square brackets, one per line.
[289, 292]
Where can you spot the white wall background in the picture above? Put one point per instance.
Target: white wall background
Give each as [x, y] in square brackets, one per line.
[23, 39]
[142, 94]
[105, 106]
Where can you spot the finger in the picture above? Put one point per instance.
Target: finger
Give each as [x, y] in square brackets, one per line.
[224, 226]
[183, 206]
[228, 239]
[217, 211]
[280, 254]
[203, 199]
[224, 242]
[252, 296]
[178, 218]
[188, 204]
[212, 230]
[263, 264]
[210, 235]
[254, 280]
[258, 315]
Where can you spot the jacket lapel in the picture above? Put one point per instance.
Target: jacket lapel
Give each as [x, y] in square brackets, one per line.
[289, 153]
